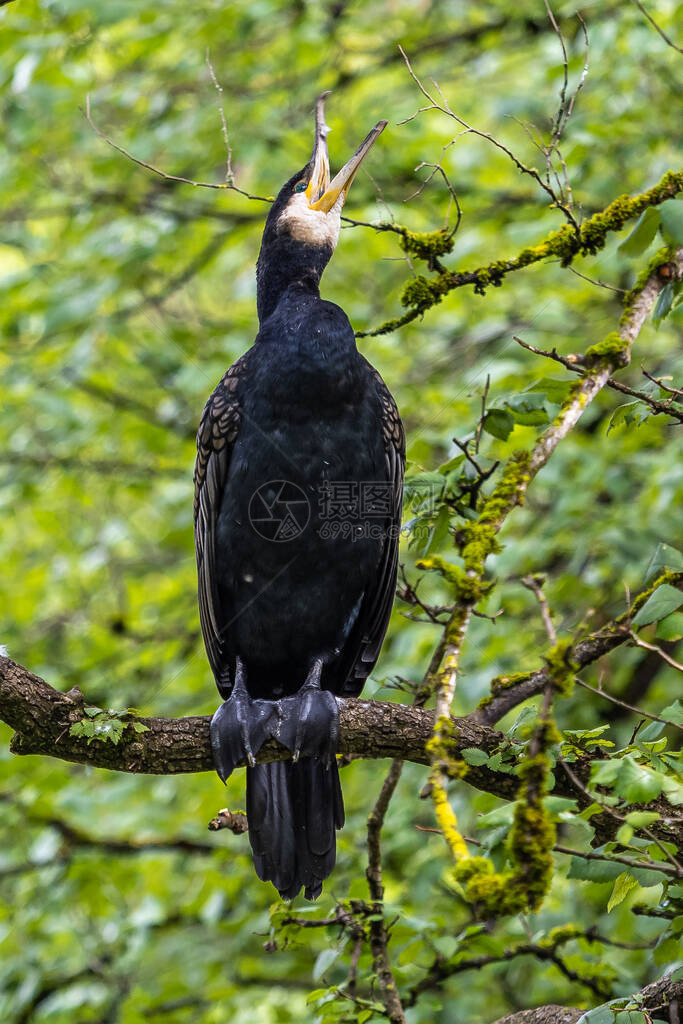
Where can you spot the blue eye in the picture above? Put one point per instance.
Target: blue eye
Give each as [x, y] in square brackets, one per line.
[301, 187]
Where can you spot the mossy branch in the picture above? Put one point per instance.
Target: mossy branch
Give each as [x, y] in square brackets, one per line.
[532, 836]
[422, 293]
[42, 717]
[510, 690]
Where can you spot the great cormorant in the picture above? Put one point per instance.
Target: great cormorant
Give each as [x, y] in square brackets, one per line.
[298, 485]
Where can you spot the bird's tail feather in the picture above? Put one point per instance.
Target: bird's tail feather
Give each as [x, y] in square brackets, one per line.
[293, 811]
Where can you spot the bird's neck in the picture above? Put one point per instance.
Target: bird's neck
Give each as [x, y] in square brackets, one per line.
[286, 264]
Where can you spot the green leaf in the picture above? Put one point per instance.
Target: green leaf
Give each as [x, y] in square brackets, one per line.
[82, 728]
[498, 423]
[644, 230]
[594, 870]
[324, 960]
[673, 712]
[663, 304]
[636, 784]
[499, 816]
[474, 756]
[670, 628]
[665, 557]
[140, 727]
[625, 834]
[446, 945]
[650, 732]
[626, 414]
[604, 773]
[528, 409]
[673, 790]
[671, 216]
[598, 1015]
[447, 467]
[622, 887]
[667, 952]
[555, 389]
[662, 602]
[641, 818]
[316, 994]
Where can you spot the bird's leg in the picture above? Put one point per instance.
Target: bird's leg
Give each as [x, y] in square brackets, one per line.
[240, 726]
[309, 723]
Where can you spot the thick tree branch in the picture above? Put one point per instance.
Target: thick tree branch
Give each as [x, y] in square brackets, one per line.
[656, 996]
[43, 717]
[421, 293]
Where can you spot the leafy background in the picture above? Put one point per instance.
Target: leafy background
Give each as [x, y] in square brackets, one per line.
[124, 298]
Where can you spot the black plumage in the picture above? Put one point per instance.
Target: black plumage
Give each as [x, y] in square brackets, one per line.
[294, 596]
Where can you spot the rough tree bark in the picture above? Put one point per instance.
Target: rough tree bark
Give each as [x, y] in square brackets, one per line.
[654, 998]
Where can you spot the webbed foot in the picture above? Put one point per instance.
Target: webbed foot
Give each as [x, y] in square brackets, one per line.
[309, 721]
[240, 727]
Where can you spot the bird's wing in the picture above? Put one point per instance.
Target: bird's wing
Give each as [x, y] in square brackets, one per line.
[216, 436]
[378, 600]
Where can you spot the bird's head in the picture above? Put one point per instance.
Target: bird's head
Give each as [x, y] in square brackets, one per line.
[302, 229]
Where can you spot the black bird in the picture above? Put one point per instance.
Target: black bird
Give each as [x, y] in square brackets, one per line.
[298, 486]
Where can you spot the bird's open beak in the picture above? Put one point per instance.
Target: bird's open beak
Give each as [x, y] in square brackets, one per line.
[322, 193]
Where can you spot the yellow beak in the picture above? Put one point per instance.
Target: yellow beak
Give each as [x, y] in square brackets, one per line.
[322, 194]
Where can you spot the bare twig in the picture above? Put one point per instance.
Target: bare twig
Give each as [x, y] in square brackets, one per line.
[162, 174]
[599, 284]
[444, 108]
[654, 24]
[623, 704]
[379, 935]
[438, 169]
[235, 821]
[639, 642]
[535, 585]
[649, 864]
[676, 392]
[442, 969]
[574, 363]
[229, 176]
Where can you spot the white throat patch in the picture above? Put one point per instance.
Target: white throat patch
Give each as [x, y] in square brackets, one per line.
[312, 226]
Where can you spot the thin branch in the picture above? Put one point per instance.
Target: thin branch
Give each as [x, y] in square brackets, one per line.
[649, 865]
[162, 174]
[535, 585]
[444, 108]
[442, 969]
[574, 363]
[639, 642]
[630, 707]
[676, 392]
[379, 935]
[595, 798]
[669, 42]
[564, 244]
[598, 284]
[229, 176]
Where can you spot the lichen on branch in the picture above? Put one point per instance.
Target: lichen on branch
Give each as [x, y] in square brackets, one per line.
[422, 293]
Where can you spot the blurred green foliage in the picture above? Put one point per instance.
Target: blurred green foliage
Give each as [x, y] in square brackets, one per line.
[124, 298]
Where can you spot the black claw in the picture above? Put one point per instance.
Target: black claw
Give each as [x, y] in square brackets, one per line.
[310, 723]
[239, 728]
